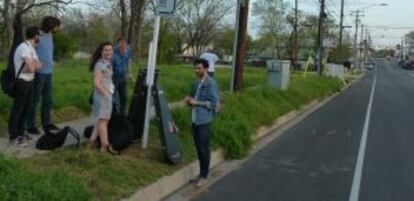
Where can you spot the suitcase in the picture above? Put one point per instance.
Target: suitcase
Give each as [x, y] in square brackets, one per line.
[168, 131]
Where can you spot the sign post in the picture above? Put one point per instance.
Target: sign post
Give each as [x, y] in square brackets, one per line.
[164, 8]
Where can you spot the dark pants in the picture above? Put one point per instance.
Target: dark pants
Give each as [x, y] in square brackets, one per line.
[211, 74]
[121, 91]
[18, 114]
[42, 89]
[201, 135]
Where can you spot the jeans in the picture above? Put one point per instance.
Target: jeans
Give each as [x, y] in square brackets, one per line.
[201, 135]
[42, 88]
[121, 92]
[18, 114]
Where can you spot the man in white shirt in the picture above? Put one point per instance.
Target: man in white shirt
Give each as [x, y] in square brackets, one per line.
[24, 57]
[211, 58]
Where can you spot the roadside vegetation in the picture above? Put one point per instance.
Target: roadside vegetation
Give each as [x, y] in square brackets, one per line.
[95, 176]
[72, 85]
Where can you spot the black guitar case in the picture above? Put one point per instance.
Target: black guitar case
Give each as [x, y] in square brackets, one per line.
[168, 131]
[137, 107]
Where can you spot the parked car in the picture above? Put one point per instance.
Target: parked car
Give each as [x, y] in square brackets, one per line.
[407, 65]
[370, 65]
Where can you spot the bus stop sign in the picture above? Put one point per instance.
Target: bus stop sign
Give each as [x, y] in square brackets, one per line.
[166, 7]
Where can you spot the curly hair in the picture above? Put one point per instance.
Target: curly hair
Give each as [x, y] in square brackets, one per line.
[49, 23]
[97, 54]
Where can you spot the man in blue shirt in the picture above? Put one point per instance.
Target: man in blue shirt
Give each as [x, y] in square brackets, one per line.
[43, 77]
[121, 64]
[202, 99]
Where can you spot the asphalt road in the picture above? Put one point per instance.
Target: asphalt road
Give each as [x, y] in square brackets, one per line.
[322, 158]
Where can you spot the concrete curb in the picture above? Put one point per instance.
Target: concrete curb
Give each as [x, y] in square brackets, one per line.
[170, 184]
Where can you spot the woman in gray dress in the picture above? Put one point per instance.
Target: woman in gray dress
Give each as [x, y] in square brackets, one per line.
[102, 94]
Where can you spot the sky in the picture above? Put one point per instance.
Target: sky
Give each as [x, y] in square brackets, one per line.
[386, 24]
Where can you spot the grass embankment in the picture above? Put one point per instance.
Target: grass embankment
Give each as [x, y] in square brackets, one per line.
[19, 184]
[110, 178]
[72, 85]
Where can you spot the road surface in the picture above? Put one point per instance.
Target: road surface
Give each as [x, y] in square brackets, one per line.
[359, 146]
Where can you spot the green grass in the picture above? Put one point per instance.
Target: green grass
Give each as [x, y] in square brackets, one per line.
[107, 177]
[72, 85]
[20, 184]
[113, 177]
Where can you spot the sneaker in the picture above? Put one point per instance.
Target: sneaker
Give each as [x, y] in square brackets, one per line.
[19, 142]
[53, 127]
[33, 131]
[195, 180]
[202, 182]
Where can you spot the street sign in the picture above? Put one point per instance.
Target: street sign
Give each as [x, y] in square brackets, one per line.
[166, 7]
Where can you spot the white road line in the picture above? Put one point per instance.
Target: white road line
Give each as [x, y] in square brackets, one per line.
[356, 184]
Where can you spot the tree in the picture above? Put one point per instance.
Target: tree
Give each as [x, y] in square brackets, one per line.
[7, 28]
[198, 22]
[22, 7]
[293, 19]
[135, 26]
[124, 17]
[64, 46]
[225, 42]
[271, 14]
[410, 35]
[166, 44]
[339, 54]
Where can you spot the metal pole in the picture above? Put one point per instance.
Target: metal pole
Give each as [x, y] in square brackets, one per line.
[150, 79]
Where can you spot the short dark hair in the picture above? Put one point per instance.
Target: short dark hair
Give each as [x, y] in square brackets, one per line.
[32, 32]
[122, 38]
[49, 23]
[202, 62]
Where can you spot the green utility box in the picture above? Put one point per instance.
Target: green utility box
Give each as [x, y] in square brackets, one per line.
[278, 74]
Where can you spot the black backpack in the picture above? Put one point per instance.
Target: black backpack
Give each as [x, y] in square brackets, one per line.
[51, 141]
[8, 80]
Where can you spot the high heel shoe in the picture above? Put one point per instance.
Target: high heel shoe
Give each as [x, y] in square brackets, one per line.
[92, 144]
[112, 151]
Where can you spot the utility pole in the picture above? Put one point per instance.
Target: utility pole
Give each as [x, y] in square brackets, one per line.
[402, 49]
[321, 36]
[361, 46]
[366, 44]
[295, 42]
[341, 23]
[240, 45]
[357, 15]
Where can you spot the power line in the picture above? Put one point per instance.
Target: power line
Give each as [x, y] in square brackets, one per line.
[390, 27]
[336, 9]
